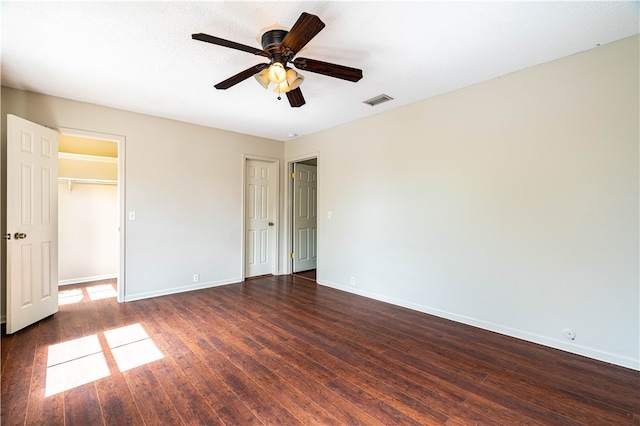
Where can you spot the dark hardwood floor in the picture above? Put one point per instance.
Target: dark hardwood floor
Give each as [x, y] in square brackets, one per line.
[310, 274]
[284, 351]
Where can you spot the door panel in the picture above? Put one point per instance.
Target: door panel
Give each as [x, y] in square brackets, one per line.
[32, 223]
[260, 212]
[305, 198]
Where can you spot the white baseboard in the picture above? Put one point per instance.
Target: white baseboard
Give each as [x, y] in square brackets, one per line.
[588, 352]
[87, 279]
[175, 290]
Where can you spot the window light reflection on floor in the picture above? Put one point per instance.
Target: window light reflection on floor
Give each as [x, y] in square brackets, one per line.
[103, 291]
[96, 292]
[77, 362]
[67, 297]
[74, 363]
[131, 347]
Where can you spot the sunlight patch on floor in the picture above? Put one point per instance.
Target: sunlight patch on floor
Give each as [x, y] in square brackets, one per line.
[74, 363]
[103, 291]
[67, 297]
[95, 292]
[131, 347]
[79, 361]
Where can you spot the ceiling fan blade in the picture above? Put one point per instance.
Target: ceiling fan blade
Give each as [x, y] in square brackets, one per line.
[241, 76]
[295, 98]
[226, 43]
[305, 28]
[326, 68]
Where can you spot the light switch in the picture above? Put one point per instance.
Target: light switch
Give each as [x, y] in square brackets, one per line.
[329, 214]
[132, 215]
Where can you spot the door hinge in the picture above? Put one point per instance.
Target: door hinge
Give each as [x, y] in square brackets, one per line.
[293, 175]
[293, 255]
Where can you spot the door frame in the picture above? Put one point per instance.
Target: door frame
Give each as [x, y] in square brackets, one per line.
[120, 140]
[275, 246]
[288, 211]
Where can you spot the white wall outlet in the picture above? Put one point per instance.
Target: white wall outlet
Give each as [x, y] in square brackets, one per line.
[569, 334]
[196, 278]
[353, 280]
[329, 214]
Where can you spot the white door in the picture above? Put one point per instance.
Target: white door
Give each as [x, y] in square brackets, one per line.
[305, 220]
[32, 223]
[260, 213]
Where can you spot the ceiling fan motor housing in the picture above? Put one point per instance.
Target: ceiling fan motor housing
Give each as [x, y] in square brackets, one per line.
[271, 41]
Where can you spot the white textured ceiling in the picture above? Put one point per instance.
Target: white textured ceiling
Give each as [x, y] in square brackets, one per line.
[139, 56]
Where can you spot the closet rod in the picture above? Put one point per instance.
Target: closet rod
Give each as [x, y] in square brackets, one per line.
[88, 181]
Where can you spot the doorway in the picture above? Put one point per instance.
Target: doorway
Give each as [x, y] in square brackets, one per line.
[32, 213]
[90, 210]
[304, 209]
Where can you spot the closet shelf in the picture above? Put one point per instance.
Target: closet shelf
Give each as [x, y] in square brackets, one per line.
[72, 181]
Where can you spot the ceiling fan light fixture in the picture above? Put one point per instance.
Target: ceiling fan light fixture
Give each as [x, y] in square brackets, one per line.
[294, 80]
[282, 87]
[263, 78]
[277, 73]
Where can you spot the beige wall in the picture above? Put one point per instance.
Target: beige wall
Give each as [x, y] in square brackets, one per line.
[511, 205]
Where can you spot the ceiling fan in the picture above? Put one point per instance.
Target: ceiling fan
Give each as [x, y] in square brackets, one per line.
[281, 47]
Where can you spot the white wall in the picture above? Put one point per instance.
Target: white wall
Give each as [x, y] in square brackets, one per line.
[511, 205]
[88, 237]
[184, 182]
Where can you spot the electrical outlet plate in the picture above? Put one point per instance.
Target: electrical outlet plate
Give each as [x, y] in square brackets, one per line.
[196, 278]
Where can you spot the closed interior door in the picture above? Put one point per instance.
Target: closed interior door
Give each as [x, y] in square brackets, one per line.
[32, 223]
[260, 212]
[305, 197]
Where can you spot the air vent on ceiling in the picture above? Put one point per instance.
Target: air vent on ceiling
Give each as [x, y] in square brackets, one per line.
[378, 100]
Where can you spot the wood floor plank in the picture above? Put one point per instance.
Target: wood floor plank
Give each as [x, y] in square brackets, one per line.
[154, 404]
[283, 350]
[300, 405]
[5, 346]
[343, 410]
[193, 409]
[15, 383]
[374, 406]
[237, 413]
[81, 406]
[236, 348]
[43, 408]
[559, 402]
[117, 402]
[477, 410]
[423, 412]
[203, 379]
[268, 410]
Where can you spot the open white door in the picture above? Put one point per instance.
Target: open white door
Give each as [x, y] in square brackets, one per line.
[32, 223]
[305, 220]
[260, 212]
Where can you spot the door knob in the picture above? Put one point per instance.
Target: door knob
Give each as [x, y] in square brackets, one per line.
[20, 235]
[270, 223]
